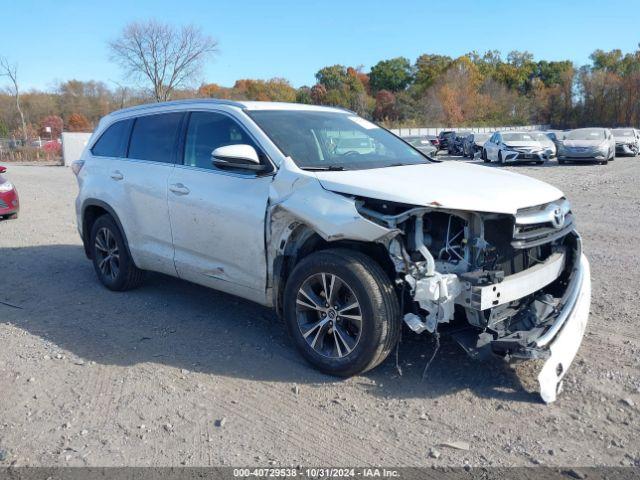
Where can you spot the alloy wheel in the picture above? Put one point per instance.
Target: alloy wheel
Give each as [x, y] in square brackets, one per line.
[107, 253]
[329, 315]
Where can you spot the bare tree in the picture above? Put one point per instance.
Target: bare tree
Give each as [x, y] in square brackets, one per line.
[166, 56]
[11, 71]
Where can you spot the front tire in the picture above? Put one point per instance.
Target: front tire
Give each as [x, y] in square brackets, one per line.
[111, 260]
[342, 312]
[484, 156]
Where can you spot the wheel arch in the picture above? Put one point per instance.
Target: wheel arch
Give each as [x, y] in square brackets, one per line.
[303, 241]
[92, 209]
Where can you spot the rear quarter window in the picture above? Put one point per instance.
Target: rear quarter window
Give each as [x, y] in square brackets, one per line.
[154, 137]
[113, 142]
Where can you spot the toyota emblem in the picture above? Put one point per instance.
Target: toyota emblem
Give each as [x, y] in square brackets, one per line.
[558, 218]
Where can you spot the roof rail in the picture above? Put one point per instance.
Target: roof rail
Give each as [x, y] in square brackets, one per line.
[148, 106]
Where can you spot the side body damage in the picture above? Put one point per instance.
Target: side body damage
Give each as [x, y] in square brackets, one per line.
[513, 285]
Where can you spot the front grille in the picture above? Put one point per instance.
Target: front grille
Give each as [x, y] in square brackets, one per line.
[542, 224]
[3, 204]
[527, 156]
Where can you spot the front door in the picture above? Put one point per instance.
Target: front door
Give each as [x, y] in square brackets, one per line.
[218, 216]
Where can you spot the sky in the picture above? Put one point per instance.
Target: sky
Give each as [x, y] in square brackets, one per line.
[58, 40]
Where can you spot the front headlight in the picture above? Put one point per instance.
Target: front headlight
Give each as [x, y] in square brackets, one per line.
[603, 147]
[6, 187]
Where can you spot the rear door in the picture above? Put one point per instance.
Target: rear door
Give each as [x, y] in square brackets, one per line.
[143, 177]
[217, 215]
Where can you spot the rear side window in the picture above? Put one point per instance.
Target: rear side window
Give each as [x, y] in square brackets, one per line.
[113, 142]
[154, 137]
[208, 131]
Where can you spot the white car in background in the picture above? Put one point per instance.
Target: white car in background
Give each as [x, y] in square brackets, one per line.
[512, 147]
[546, 142]
[627, 141]
[587, 144]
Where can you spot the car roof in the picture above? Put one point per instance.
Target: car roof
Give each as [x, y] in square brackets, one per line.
[208, 102]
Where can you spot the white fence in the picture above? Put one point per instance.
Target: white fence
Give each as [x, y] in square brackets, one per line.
[418, 132]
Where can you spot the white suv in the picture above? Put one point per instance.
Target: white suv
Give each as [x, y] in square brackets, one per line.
[342, 227]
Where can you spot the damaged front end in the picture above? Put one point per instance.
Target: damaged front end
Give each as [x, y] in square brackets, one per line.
[515, 286]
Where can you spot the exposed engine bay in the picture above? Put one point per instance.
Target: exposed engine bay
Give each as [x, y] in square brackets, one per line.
[496, 282]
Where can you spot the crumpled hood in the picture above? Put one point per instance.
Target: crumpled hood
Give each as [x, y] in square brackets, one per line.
[582, 143]
[452, 185]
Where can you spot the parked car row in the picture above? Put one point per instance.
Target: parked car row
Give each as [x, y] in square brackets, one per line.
[596, 144]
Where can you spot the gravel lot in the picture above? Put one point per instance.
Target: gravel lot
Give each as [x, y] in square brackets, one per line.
[175, 374]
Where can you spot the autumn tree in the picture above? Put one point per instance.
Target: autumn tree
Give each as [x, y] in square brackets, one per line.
[167, 57]
[385, 106]
[273, 90]
[54, 123]
[318, 93]
[78, 123]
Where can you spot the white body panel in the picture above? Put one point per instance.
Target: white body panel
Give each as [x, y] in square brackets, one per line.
[218, 227]
[452, 185]
[566, 343]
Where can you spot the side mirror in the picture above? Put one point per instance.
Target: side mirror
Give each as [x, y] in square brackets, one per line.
[3, 169]
[243, 157]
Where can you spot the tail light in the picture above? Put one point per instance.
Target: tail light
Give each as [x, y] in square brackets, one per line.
[77, 166]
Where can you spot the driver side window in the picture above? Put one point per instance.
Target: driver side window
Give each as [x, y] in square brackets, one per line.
[206, 132]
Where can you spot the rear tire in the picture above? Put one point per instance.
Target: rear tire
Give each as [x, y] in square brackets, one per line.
[358, 280]
[111, 260]
[561, 162]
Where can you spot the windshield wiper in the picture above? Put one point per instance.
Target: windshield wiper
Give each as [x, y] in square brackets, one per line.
[323, 168]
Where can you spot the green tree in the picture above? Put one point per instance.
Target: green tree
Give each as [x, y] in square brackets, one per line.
[394, 75]
[333, 77]
[428, 69]
[551, 73]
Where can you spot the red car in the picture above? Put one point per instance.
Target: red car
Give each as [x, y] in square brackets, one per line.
[9, 203]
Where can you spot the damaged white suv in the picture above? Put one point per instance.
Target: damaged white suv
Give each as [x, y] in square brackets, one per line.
[345, 229]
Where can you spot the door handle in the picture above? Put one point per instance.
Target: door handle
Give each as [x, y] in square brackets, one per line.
[117, 175]
[179, 189]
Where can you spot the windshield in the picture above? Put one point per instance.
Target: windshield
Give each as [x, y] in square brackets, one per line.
[518, 137]
[585, 134]
[334, 141]
[622, 133]
[417, 141]
[541, 137]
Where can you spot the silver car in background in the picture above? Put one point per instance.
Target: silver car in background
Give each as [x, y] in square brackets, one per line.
[514, 147]
[627, 141]
[587, 144]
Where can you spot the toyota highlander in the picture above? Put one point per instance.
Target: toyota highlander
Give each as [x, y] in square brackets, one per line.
[343, 228]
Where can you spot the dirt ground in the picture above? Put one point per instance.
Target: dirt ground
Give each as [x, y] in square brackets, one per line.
[175, 374]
